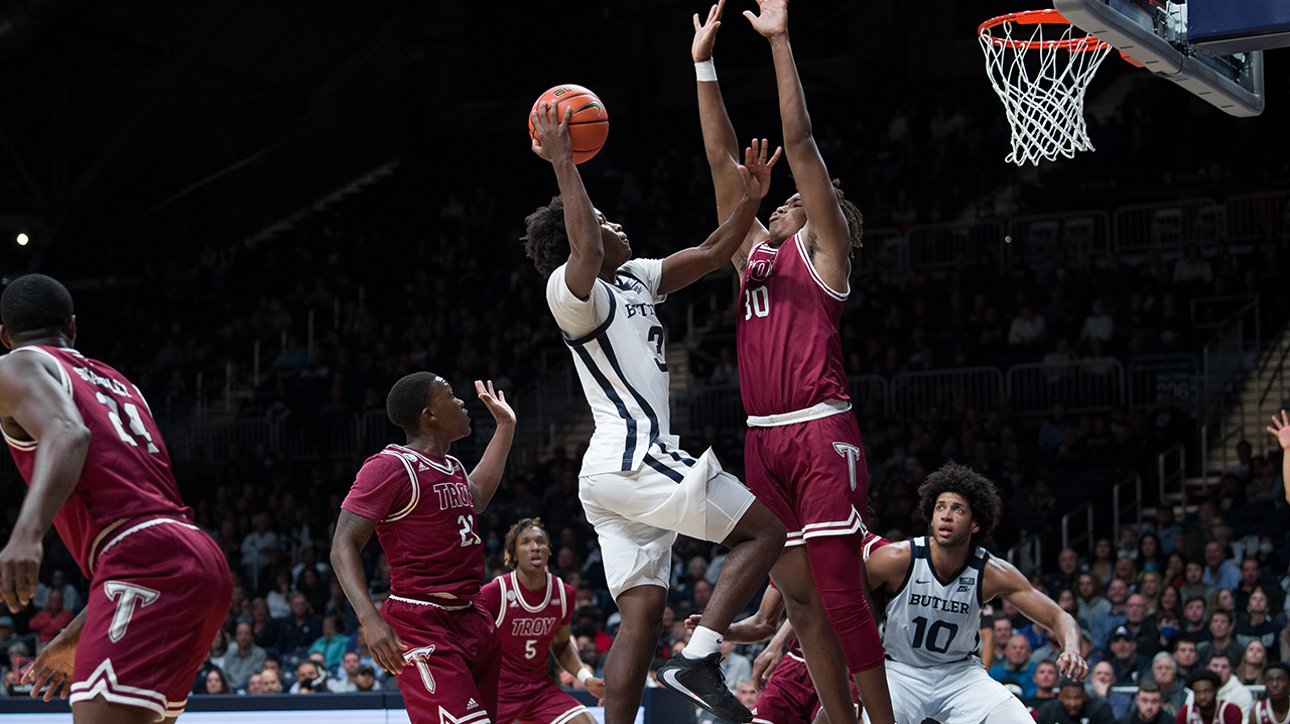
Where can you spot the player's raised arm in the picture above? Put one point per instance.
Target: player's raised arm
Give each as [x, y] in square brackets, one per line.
[352, 533]
[1281, 428]
[32, 397]
[688, 265]
[586, 252]
[1003, 578]
[488, 473]
[719, 140]
[826, 225]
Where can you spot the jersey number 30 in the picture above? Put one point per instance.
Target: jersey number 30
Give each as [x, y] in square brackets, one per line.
[933, 635]
[756, 302]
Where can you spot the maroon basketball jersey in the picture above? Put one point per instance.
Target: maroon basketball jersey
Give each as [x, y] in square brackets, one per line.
[790, 351]
[526, 622]
[425, 521]
[127, 470]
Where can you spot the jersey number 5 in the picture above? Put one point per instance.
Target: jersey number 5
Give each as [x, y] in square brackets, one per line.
[136, 422]
[756, 302]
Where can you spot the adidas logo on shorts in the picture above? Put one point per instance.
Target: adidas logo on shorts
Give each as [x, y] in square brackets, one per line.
[471, 704]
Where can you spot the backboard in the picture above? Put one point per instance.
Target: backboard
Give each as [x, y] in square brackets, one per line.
[1213, 48]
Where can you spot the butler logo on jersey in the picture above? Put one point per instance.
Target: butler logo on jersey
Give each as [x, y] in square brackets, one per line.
[939, 604]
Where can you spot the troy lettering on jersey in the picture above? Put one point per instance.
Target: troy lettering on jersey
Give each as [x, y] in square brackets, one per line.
[938, 604]
[454, 495]
[645, 310]
[116, 386]
[532, 627]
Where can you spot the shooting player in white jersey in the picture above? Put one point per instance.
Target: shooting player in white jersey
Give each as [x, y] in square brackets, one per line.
[637, 487]
[935, 587]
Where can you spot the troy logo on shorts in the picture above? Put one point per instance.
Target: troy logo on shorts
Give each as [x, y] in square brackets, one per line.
[421, 658]
[126, 596]
[852, 454]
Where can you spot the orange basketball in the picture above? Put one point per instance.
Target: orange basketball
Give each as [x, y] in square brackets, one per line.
[589, 124]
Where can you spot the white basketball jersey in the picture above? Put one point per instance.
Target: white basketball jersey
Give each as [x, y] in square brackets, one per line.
[623, 369]
[931, 621]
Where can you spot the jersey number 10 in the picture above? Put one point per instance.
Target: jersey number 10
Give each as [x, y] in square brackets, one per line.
[933, 634]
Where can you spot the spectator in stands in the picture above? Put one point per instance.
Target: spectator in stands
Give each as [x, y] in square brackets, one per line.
[1141, 625]
[1255, 624]
[1167, 529]
[1194, 585]
[310, 679]
[1223, 600]
[1100, 685]
[1220, 640]
[6, 629]
[1170, 424]
[1165, 674]
[299, 630]
[1017, 665]
[53, 619]
[1103, 563]
[1192, 270]
[255, 549]
[1150, 588]
[1002, 634]
[264, 627]
[1073, 706]
[1117, 592]
[1027, 330]
[58, 582]
[1147, 707]
[1098, 325]
[215, 682]
[1187, 657]
[1090, 599]
[270, 681]
[365, 680]
[333, 641]
[1251, 573]
[254, 685]
[1230, 688]
[1127, 665]
[1049, 650]
[1067, 574]
[346, 680]
[1053, 429]
[1150, 556]
[1045, 684]
[243, 658]
[1195, 624]
[1250, 671]
[279, 599]
[1066, 601]
[735, 666]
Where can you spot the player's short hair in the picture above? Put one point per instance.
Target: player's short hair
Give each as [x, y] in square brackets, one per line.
[407, 398]
[546, 240]
[513, 537]
[33, 302]
[1277, 666]
[1204, 675]
[981, 495]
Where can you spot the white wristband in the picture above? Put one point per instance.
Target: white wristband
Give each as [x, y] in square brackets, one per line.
[583, 675]
[705, 71]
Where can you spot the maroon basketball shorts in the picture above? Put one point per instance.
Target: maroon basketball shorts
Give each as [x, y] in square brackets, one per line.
[161, 591]
[789, 696]
[453, 662]
[541, 703]
[811, 475]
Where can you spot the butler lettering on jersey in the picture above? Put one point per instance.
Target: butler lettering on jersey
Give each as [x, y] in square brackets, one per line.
[454, 495]
[533, 626]
[645, 310]
[939, 604]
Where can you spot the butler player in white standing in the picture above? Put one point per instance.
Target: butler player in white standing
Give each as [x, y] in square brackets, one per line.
[637, 487]
[935, 587]
[532, 610]
[433, 631]
[803, 453]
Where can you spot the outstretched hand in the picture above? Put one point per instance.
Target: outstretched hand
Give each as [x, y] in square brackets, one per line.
[773, 19]
[1072, 666]
[52, 669]
[552, 134]
[1281, 428]
[756, 169]
[705, 34]
[495, 402]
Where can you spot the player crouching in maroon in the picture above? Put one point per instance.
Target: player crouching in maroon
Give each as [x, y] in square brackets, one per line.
[432, 632]
[532, 610]
[83, 438]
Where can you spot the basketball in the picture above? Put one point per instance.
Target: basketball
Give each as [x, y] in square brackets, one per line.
[589, 124]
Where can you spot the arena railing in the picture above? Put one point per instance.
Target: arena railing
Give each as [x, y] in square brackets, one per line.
[1167, 224]
[1214, 312]
[1272, 396]
[1171, 469]
[1258, 216]
[1095, 384]
[1048, 239]
[942, 246]
[976, 387]
[1085, 511]
[1224, 361]
[1150, 375]
[1120, 510]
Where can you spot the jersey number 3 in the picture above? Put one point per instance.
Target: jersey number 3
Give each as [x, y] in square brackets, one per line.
[756, 303]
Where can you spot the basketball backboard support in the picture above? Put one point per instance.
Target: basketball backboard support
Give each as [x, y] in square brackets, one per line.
[1154, 34]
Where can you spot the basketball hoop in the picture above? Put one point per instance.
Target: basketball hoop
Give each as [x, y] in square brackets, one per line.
[1041, 79]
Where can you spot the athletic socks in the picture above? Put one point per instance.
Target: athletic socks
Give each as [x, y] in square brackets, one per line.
[702, 642]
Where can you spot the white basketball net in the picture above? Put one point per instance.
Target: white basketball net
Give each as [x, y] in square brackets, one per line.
[1042, 83]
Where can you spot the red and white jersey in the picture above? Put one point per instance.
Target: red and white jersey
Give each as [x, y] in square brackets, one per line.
[1225, 712]
[527, 622]
[790, 351]
[425, 521]
[1263, 714]
[127, 469]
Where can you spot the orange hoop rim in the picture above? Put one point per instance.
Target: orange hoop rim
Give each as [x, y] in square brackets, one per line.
[1036, 17]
